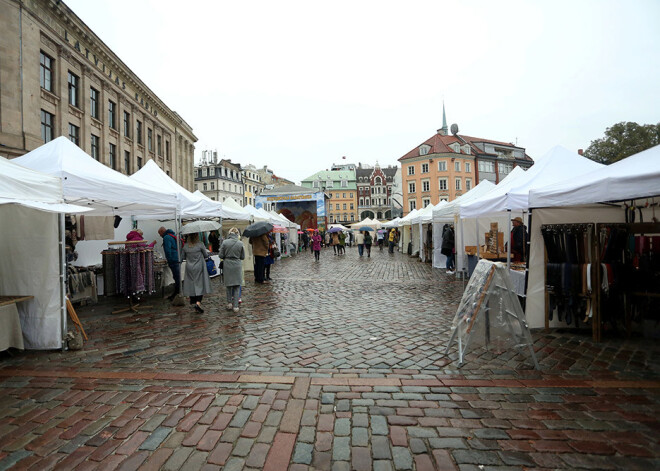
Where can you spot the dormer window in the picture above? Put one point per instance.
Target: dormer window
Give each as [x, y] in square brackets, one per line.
[456, 147]
[466, 149]
[315, 184]
[424, 149]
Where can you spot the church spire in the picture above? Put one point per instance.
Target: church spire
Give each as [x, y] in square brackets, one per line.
[443, 130]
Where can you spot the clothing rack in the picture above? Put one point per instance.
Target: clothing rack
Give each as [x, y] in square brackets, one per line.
[129, 271]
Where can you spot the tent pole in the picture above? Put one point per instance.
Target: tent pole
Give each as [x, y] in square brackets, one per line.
[462, 248]
[61, 217]
[177, 223]
[508, 246]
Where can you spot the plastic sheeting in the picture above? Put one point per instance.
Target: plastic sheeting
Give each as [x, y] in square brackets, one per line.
[489, 315]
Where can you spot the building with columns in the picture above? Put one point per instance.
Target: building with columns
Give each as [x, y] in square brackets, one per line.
[375, 187]
[57, 78]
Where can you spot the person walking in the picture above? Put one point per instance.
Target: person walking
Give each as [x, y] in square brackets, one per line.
[390, 240]
[335, 242]
[342, 243]
[260, 246]
[359, 240]
[367, 242]
[316, 245]
[232, 252]
[380, 237]
[196, 282]
[447, 248]
[172, 256]
[270, 258]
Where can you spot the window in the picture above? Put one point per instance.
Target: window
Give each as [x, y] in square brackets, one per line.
[204, 186]
[351, 195]
[336, 195]
[127, 124]
[457, 166]
[344, 208]
[411, 187]
[112, 113]
[74, 82]
[159, 144]
[367, 202]
[486, 166]
[505, 167]
[329, 184]
[95, 147]
[127, 162]
[150, 140]
[138, 131]
[426, 202]
[139, 165]
[442, 184]
[361, 203]
[211, 170]
[426, 186]
[458, 183]
[412, 204]
[352, 206]
[377, 181]
[344, 183]
[94, 99]
[467, 167]
[442, 166]
[343, 195]
[411, 170]
[46, 71]
[113, 156]
[213, 185]
[468, 184]
[74, 134]
[47, 125]
[352, 217]
[167, 150]
[425, 168]
[337, 206]
[423, 150]
[196, 188]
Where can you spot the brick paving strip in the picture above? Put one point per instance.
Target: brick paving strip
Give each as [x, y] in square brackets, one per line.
[334, 381]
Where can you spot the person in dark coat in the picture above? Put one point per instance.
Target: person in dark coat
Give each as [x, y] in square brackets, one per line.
[260, 245]
[196, 282]
[518, 240]
[214, 239]
[172, 257]
[447, 247]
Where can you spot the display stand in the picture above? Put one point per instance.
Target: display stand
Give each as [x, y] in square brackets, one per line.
[133, 307]
[490, 314]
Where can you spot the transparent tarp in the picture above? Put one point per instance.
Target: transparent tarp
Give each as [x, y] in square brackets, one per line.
[489, 315]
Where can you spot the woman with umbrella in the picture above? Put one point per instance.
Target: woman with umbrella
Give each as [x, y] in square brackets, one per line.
[232, 253]
[257, 233]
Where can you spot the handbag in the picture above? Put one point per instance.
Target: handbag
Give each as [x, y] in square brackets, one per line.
[210, 267]
[276, 253]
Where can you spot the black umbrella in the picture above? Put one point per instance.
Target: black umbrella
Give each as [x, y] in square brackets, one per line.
[257, 229]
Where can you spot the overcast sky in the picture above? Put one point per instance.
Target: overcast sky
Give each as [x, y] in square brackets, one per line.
[296, 85]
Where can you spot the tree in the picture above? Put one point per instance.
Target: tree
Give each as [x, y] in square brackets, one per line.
[623, 140]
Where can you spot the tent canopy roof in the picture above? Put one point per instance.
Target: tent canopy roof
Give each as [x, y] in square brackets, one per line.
[88, 182]
[449, 210]
[637, 176]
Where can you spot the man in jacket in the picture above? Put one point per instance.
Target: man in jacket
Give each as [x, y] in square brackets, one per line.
[518, 240]
[260, 246]
[172, 256]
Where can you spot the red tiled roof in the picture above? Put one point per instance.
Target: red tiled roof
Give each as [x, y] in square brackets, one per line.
[439, 144]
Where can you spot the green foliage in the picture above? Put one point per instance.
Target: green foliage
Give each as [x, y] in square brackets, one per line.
[623, 140]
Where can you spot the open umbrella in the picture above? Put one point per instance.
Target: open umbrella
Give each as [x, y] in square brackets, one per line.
[200, 226]
[311, 229]
[366, 228]
[280, 229]
[334, 229]
[382, 231]
[257, 229]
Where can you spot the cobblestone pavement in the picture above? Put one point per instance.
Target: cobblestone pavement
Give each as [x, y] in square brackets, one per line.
[336, 364]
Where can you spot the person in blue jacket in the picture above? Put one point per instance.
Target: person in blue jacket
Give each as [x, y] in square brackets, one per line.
[172, 256]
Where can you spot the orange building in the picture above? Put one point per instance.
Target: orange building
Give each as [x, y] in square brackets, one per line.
[446, 166]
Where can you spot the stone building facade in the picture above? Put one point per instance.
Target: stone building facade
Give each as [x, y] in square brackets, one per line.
[58, 78]
[375, 188]
[221, 180]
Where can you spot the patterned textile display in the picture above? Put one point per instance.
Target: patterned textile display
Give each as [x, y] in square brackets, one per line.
[132, 270]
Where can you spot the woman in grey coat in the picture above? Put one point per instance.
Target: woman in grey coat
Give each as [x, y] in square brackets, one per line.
[196, 282]
[232, 252]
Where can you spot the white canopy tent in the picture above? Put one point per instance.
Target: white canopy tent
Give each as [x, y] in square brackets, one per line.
[31, 256]
[513, 195]
[449, 214]
[89, 183]
[576, 200]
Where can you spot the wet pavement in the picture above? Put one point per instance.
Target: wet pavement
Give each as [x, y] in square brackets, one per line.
[337, 364]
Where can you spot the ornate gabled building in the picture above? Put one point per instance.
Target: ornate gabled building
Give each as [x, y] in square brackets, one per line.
[220, 180]
[58, 78]
[375, 188]
[445, 166]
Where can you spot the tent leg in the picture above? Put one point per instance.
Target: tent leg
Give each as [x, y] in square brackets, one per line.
[61, 217]
[508, 246]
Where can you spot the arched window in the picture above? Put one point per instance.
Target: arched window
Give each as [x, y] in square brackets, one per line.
[377, 181]
[345, 217]
[361, 202]
[366, 202]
